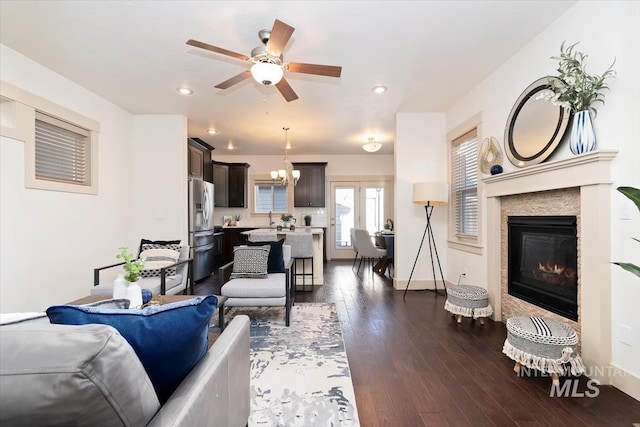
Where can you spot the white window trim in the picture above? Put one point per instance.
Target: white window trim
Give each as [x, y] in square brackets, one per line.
[455, 240]
[26, 105]
[258, 178]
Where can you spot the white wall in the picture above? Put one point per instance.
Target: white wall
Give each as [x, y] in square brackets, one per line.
[611, 31]
[420, 155]
[51, 241]
[159, 203]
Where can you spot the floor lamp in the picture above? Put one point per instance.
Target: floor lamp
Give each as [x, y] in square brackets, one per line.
[429, 194]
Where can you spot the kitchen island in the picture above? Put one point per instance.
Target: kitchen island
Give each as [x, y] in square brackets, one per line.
[318, 248]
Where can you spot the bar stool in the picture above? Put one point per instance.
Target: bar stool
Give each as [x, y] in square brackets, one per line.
[263, 237]
[301, 249]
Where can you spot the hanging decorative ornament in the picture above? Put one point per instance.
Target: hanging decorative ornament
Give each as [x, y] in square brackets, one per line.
[490, 154]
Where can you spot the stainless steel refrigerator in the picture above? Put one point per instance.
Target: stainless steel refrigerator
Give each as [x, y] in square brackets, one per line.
[201, 230]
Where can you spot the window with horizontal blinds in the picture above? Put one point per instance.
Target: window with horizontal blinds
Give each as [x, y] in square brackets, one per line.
[62, 151]
[464, 186]
[270, 197]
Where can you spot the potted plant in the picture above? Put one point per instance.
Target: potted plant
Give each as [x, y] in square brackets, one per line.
[286, 219]
[307, 220]
[634, 195]
[579, 91]
[132, 266]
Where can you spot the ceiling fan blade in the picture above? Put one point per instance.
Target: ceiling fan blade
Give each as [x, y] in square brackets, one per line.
[280, 35]
[216, 49]
[234, 80]
[321, 70]
[286, 91]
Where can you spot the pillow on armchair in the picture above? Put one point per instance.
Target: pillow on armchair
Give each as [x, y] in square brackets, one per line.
[158, 256]
[250, 262]
[275, 263]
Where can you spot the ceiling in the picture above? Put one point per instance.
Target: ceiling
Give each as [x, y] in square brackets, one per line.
[134, 54]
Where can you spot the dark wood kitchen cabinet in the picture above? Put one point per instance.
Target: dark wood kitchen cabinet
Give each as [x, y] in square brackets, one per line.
[310, 191]
[220, 184]
[238, 177]
[199, 164]
[230, 181]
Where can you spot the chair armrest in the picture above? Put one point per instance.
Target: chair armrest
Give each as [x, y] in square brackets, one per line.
[96, 272]
[222, 272]
[163, 275]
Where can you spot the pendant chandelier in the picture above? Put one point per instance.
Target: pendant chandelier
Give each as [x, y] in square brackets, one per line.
[288, 175]
[371, 146]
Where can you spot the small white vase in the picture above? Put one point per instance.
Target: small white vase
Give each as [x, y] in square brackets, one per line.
[583, 136]
[134, 295]
[119, 287]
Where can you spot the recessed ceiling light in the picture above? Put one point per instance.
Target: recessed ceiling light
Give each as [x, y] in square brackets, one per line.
[185, 90]
[380, 89]
[230, 146]
[212, 131]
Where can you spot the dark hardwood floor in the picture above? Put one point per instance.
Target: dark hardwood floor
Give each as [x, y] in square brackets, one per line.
[413, 365]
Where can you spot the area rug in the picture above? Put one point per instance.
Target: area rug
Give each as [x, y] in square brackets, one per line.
[299, 374]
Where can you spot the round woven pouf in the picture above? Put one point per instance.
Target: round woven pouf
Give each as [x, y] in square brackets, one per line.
[543, 344]
[468, 301]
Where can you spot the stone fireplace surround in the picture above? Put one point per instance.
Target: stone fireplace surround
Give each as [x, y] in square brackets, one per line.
[585, 179]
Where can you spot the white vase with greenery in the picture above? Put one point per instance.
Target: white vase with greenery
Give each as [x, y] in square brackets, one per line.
[132, 268]
[579, 91]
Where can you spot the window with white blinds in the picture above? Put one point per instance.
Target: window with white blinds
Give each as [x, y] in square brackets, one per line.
[62, 151]
[270, 197]
[464, 186]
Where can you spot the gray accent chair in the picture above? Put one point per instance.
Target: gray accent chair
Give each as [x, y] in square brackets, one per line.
[158, 285]
[277, 290]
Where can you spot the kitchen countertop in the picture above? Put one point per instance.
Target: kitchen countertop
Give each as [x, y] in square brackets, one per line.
[302, 229]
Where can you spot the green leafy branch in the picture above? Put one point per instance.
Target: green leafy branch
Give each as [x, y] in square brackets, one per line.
[634, 195]
[575, 88]
[132, 266]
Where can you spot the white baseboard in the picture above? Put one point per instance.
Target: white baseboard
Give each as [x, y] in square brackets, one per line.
[626, 382]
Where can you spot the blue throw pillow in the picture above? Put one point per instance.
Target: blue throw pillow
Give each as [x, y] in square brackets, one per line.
[169, 339]
[275, 263]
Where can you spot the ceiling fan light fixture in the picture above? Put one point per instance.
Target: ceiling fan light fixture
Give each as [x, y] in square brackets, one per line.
[371, 146]
[267, 73]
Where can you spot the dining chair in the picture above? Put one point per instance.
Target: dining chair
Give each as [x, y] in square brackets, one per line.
[366, 248]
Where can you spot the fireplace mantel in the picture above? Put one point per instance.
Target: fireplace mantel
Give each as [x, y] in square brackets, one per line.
[587, 169]
[591, 173]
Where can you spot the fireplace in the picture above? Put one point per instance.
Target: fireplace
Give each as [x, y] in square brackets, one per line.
[543, 262]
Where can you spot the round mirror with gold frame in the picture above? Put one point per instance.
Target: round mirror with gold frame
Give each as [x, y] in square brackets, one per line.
[534, 127]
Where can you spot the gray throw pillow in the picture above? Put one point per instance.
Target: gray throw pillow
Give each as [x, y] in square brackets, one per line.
[250, 262]
[157, 257]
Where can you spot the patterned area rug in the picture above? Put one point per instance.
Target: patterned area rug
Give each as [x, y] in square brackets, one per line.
[299, 375]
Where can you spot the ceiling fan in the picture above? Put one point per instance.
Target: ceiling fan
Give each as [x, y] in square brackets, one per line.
[268, 66]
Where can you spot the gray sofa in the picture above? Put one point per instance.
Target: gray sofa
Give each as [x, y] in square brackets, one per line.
[89, 375]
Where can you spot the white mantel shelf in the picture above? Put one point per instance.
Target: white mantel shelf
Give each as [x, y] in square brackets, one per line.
[582, 170]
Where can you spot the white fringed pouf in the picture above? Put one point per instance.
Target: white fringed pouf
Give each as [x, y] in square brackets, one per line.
[468, 301]
[543, 344]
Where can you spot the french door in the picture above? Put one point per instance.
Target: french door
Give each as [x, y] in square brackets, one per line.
[356, 204]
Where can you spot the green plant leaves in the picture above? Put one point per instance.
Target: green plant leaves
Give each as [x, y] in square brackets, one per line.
[632, 193]
[629, 267]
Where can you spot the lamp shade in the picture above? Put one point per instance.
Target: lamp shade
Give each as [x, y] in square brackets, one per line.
[266, 73]
[435, 193]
